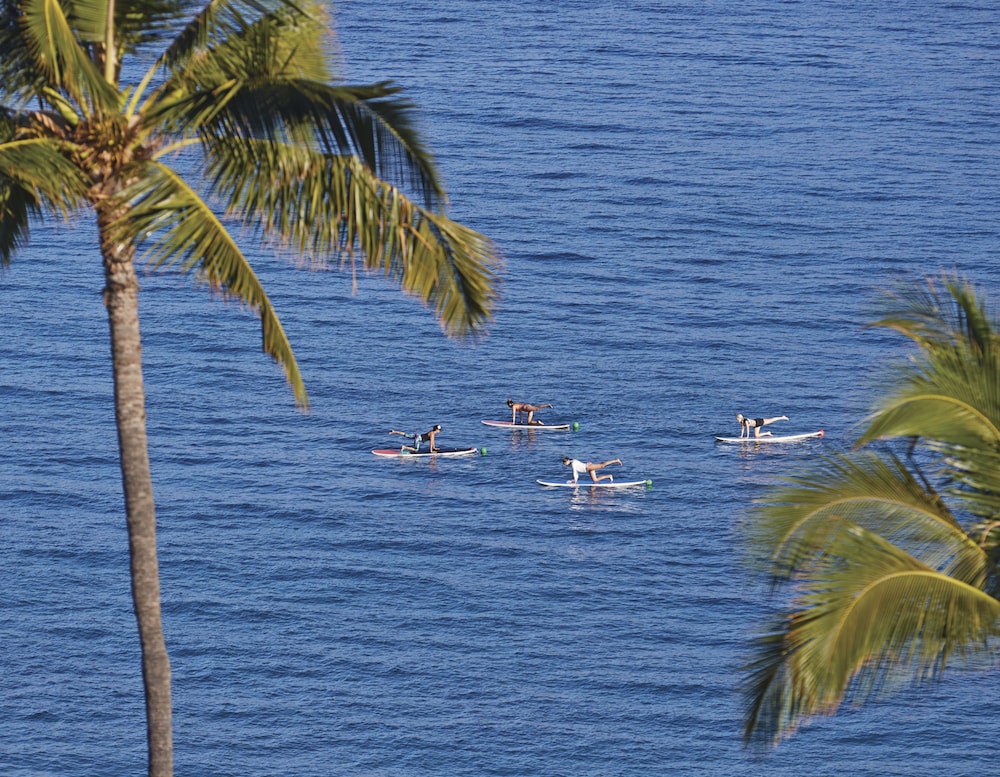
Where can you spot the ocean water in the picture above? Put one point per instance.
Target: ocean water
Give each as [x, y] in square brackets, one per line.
[697, 203]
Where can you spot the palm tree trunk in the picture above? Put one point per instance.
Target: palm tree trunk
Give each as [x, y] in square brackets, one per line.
[121, 297]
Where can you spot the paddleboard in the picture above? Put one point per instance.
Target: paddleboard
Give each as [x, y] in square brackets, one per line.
[540, 427]
[772, 438]
[591, 484]
[441, 452]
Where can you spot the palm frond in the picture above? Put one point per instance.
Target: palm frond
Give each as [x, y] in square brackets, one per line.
[88, 19]
[215, 21]
[950, 391]
[775, 698]
[17, 206]
[58, 54]
[164, 214]
[937, 415]
[263, 81]
[371, 122]
[39, 167]
[20, 77]
[141, 22]
[796, 523]
[946, 313]
[334, 206]
[453, 269]
[873, 615]
[35, 178]
[869, 618]
[974, 477]
[144, 23]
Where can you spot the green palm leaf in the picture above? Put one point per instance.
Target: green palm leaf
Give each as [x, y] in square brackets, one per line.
[183, 231]
[40, 164]
[17, 205]
[869, 618]
[221, 20]
[938, 416]
[19, 74]
[142, 24]
[88, 19]
[794, 524]
[890, 579]
[261, 82]
[341, 120]
[334, 206]
[57, 53]
[873, 613]
[35, 178]
[950, 391]
[936, 314]
[974, 478]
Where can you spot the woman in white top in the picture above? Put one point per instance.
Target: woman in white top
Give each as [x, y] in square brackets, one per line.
[579, 467]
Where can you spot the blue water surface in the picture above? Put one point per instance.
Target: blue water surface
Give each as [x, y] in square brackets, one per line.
[696, 202]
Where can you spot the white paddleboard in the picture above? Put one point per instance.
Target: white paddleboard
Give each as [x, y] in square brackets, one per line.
[773, 438]
[540, 427]
[592, 484]
[395, 453]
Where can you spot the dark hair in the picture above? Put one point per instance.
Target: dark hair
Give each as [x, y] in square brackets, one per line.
[567, 459]
[437, 427]
[509, 401]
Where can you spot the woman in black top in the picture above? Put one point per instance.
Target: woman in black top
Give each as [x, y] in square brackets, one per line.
[746, 424]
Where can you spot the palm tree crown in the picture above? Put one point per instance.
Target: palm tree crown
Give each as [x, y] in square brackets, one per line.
[329, 170]
[891, 558]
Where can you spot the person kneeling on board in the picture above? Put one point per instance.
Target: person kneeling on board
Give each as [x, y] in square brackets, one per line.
[746, 424]
[419, 438]
[579, 467]
[519, 409]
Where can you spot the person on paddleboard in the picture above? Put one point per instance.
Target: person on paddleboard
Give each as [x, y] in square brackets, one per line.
[419, 438]
[519, 409]
[579, 467]
[746, 424]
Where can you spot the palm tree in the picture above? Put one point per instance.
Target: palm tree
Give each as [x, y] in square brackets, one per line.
[240, 93]
[890, 557]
